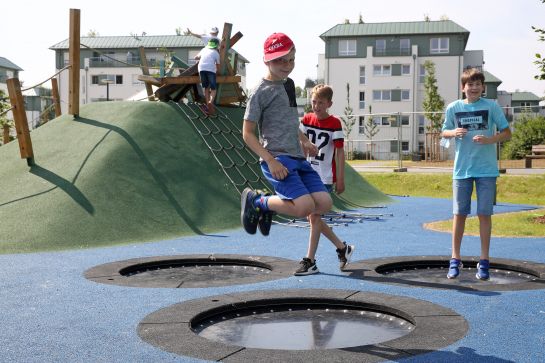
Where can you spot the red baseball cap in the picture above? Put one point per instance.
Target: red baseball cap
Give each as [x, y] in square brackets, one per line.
[276, 45]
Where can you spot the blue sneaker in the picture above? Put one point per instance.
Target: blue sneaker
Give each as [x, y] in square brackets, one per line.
[249, 215]
[482, 270]
[454, 268]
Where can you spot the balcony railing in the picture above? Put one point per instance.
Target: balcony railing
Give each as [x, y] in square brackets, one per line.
[391, 52]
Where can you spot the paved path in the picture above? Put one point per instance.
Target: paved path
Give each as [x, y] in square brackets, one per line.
[51, 313]
[432, 170]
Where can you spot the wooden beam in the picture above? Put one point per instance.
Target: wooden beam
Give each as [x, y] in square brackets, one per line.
[74, 58]
[225, 45]
[56, 98]
[151, 81]
[197, 80]
[21, 122]
[145, 72]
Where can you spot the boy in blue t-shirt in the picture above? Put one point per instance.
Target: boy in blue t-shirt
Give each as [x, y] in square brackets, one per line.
[473, 122]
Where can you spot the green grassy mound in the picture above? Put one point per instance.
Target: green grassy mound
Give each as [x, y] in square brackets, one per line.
[123, 172]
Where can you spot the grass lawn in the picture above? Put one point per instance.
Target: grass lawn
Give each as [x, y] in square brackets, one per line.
[527, 189]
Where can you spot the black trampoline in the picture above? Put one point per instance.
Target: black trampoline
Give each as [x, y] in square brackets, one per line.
[431, 271]
[188, 271]
[299, 325]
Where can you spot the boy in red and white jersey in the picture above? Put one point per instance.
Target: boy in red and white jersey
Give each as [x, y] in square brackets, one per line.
[325, 131]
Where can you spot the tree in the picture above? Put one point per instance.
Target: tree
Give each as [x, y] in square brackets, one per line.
[370, 129]
[360, 19]
[540, 61]
[92, 33]
[298, 91]
[529, 130]
[5, 124]
[348, 119]
[433, 103]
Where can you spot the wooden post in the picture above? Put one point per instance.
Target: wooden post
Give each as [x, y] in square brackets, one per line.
[21, 123]
[225, 45]
[5, 138]
[145, 72]
[56, 98]
[74, 55]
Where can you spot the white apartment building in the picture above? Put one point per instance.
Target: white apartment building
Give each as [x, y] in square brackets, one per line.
[110, 65]
[383, 64]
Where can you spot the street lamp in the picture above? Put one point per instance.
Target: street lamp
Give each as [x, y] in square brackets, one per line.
[107, 82]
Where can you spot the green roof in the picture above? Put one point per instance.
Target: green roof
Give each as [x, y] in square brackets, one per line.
[490, 78]
[6, 63]
[398, 28]
[524, 96]
[125, 42]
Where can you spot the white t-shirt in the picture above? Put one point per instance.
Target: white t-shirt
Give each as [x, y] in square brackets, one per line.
[209, 59]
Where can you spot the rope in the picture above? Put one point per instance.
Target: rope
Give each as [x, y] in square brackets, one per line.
[39, 84]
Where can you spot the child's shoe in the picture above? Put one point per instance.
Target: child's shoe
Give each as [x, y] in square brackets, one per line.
[307, 267]
[454, 268]
[249, 215]
[265, 222]
[482, 270]
[345, 254]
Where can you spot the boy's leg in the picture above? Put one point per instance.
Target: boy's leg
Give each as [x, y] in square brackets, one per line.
[461, 207]
[486, 194]
[314, 235]
[330, 235]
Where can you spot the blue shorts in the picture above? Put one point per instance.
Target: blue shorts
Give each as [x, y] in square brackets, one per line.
[461, 195]
[301, 179]
[208, 79]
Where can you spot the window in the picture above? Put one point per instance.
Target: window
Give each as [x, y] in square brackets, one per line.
[439, 45]
[382, 70]
[405, 46]
[404, 120]
[361, 124]
[405, 69]
[380, 47]
[405, 95]
[347, 47]
[385, 121]
[362, 101]
[404, 146]
[422, 74]
[382, 95]
[362, 74]
[421, 124]
[115, 79]
[378, 120]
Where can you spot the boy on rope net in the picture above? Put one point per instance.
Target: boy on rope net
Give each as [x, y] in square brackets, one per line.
[282, 147]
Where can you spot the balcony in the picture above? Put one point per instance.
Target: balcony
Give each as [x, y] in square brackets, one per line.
[391, 52]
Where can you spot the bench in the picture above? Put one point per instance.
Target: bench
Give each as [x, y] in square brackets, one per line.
[538, 152]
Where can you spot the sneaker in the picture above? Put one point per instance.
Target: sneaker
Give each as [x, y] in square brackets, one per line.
[307, 267]
[265, 222]
[454, 268]
[344, 255]
[482, 270]
[249, 215]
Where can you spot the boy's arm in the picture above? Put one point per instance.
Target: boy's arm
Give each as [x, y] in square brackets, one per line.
[277, 170]
[339, 164]
[195, 35]
[308, 147]
[503, 135]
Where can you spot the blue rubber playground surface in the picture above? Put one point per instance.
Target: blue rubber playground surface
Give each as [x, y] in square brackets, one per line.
[51, 313]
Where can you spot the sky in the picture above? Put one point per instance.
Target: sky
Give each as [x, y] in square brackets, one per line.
[501, 28]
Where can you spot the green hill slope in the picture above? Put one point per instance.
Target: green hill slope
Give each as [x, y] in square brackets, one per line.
[122, 172]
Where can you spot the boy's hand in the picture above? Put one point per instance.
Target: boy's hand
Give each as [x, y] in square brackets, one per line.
[339, 186]
[310, 149]
[278, 171]
[481, 139]
[460, 132]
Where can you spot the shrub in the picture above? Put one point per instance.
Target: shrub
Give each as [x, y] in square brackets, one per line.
[529, 130]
